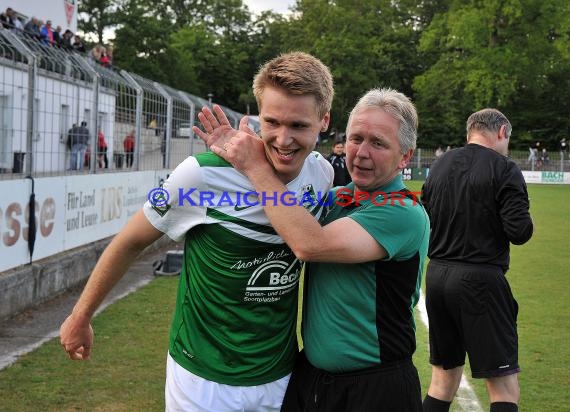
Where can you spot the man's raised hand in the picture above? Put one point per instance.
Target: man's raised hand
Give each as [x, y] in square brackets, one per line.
[245, 150]
[217, 127]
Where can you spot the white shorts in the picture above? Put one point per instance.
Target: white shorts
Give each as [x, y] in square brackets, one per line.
[187, 392]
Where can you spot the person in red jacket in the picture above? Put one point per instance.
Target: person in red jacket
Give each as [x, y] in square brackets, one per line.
[102, 151]
[129, 146]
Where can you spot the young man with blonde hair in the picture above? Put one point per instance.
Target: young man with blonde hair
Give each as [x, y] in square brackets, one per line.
[233, 337]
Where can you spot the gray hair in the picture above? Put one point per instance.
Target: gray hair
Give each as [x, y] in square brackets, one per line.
[396, 104]
[489, 120]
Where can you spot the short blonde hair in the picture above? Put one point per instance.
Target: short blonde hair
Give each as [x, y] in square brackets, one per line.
[297, 73]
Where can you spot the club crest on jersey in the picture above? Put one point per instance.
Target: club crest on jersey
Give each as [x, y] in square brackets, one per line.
[160, 203]
[308, 198]
[161, 210]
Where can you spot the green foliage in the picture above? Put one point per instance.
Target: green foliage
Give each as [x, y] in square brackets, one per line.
[451, 57]
[95, 16]
[366, 44]
[499, 54]
[142, 40]
[204, 62]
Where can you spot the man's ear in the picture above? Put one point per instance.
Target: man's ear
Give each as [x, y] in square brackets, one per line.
[503, 132]
[325, 122]
[406, 157]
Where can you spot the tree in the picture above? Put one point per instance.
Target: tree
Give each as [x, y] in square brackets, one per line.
[365, 43]
[205, 62]
[142, 40]
[495, 53]
[95, 16]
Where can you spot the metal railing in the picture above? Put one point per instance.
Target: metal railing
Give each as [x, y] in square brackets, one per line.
[45, 91]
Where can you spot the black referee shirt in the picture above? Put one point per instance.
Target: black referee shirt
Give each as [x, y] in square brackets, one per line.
[477, 202]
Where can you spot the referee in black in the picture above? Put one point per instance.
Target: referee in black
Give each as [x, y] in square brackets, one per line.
[477, 202]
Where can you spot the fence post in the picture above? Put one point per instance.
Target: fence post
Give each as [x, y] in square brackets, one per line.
[168, 128]
[419, 158]
[138, 117]
[32, 82]
[191, 120]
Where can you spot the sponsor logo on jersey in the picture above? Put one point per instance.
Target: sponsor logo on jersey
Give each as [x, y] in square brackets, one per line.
[271, 280]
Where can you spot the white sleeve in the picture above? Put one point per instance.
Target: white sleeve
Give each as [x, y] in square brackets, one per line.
[178, 208]
[326, 171]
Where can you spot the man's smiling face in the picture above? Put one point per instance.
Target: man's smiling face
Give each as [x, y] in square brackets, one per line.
[289, 125]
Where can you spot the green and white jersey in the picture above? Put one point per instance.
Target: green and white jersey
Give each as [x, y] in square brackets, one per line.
[236, 308]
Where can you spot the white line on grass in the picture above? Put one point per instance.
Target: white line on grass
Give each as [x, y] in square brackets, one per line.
[466, 398]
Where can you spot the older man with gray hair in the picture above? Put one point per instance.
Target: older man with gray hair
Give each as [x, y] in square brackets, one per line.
[478, 204]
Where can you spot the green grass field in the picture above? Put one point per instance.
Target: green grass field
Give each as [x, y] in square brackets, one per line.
[538, 274]
[126, 372]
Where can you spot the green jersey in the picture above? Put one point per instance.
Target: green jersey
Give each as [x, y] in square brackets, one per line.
[235, 316]
[372, 303]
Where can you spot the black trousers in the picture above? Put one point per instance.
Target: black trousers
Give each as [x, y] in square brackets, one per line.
[392, 387]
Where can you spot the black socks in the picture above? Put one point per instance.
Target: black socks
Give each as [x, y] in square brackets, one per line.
[503, 407]
[435, 405]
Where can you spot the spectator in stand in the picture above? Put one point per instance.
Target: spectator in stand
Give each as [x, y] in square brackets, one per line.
[46, 34]
[163, 148]
[96, 52]
[129, 146]
[7, 19]
[563, 148]
[110, 55]
[78, 45]
[18, 26]
[439, 151]
[104, 59]
[57, 37]
[102, 158]
[70, 136]
[79, 137]
[66, 42]
[544, 156]
[32, 28]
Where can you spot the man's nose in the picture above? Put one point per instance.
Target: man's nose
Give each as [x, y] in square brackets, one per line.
[283, 136]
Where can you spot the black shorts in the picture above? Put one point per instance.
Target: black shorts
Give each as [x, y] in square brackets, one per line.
[471, 309]
[393, 387]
